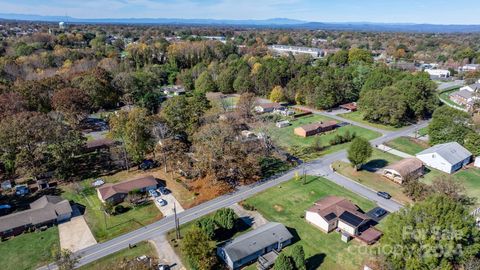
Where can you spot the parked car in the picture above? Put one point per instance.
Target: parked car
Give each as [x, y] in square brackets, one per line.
[384, 195]
[98, 182]
[161, 202]
[147, 164]
[21, 190]
[163, 267]
[163, 190]
[379, 212]
[5, 209]
[153, 193]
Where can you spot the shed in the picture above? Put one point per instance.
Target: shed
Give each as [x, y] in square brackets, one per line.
[404, 169]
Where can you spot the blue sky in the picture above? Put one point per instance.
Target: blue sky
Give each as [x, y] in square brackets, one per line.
[415, 11]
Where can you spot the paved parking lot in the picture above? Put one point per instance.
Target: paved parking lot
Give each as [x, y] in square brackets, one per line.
[75, 234]
[167, 210]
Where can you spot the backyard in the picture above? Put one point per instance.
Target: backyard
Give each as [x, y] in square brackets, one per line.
[358, 117]
[143, 248]
[105, 227]
[408, 145]
[324, 251]
[29, 250]
[285, 138]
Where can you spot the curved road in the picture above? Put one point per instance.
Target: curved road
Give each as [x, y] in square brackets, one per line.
[320, 167]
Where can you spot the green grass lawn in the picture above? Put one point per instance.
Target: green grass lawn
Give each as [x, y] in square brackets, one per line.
[358, 117]
[423, 131]
[287, 204]
[371, 179]
[408, 145]
[107, 227]
[144, 248]
[445, 97]
[29, 250]
[285, 138]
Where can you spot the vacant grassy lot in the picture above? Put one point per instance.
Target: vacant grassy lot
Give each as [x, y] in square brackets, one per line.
[285, 138]
[358, 117]
[105, 227]
[127, 254]
[29, 250]
[369, 178]
[287, 204]
[408, 145]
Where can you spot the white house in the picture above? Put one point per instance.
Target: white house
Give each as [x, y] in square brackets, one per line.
[284, 49]
[446, 157]
[469, 67]
[439, 73]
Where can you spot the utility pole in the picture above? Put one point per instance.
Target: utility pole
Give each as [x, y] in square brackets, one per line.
[304, 174]
[177, 223]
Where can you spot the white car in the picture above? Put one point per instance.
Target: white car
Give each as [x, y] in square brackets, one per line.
[161, 202]
[152, 193]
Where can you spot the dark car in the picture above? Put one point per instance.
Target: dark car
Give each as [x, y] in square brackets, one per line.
[147, 165]
[384, 195]
[379, 212]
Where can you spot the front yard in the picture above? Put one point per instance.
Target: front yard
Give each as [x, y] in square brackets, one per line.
[29, 250]
[296, 145]
[408, 145]
[358, 117]
[287, 204]
[125, 255]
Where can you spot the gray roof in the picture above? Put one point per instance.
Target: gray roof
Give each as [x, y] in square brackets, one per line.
[463, 93]
[45, 209]
[258, 239]
[452, 152]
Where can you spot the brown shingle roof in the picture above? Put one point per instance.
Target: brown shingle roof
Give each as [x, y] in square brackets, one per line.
[329, 205]
[321, 125]
[99, 143]
[42, 210]
[270, 105]
[406, 166]
[108, 190]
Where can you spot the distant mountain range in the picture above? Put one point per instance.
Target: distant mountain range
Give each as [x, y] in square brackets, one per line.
[274, 23]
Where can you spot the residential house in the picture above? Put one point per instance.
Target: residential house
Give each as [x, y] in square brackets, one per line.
[248, 247]
[464, 97]
[469, 67]
[173, 90]
[352, 106]
[446, 157]
[99, 144]
[438, 73]
[405, 169]
[116, 193]
[46, 211]
[283, 111]
[334, 212]
[295, 50]
[315, 128]
[267, 107]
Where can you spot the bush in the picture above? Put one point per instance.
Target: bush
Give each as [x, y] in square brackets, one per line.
[119, 209]
[207, 225]
[248, 206]
[339, 139]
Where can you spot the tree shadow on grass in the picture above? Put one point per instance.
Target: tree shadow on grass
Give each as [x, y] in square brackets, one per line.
[374, 165]
[315, 261]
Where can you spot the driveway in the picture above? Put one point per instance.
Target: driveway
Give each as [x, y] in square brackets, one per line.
[75, 234]
[252, 218]
[166, 254]
[167, 210]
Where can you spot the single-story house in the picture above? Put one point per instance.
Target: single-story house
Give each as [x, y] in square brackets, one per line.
[284, 111]
[405, 169]
[334, 212]
[173, 90]
[463, 97]
[469, 67]
[438, 73]
[352, 106]
[98, 144]
[250, 246]
[446, 157]
[267, 107]
[46, 211]
[283, 124]
[116, 193]
[315, 128]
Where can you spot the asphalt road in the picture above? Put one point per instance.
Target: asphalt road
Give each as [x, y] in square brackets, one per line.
[320, 167]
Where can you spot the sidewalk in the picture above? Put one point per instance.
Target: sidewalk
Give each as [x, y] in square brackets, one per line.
[393, 151]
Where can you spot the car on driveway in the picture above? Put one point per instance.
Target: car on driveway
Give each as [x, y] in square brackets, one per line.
[163, 190]
[379, 212]
[163, 267]
[153, 193]
[161, 202]
[147, 164]
[384, 195]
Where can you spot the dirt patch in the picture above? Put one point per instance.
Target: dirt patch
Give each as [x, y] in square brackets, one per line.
[278, 208]
[206, 191]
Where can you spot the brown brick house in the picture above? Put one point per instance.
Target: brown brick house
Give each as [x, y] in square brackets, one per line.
[116, 193]
[315, 128]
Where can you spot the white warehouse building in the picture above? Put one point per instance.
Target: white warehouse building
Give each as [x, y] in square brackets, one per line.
[283, 49]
